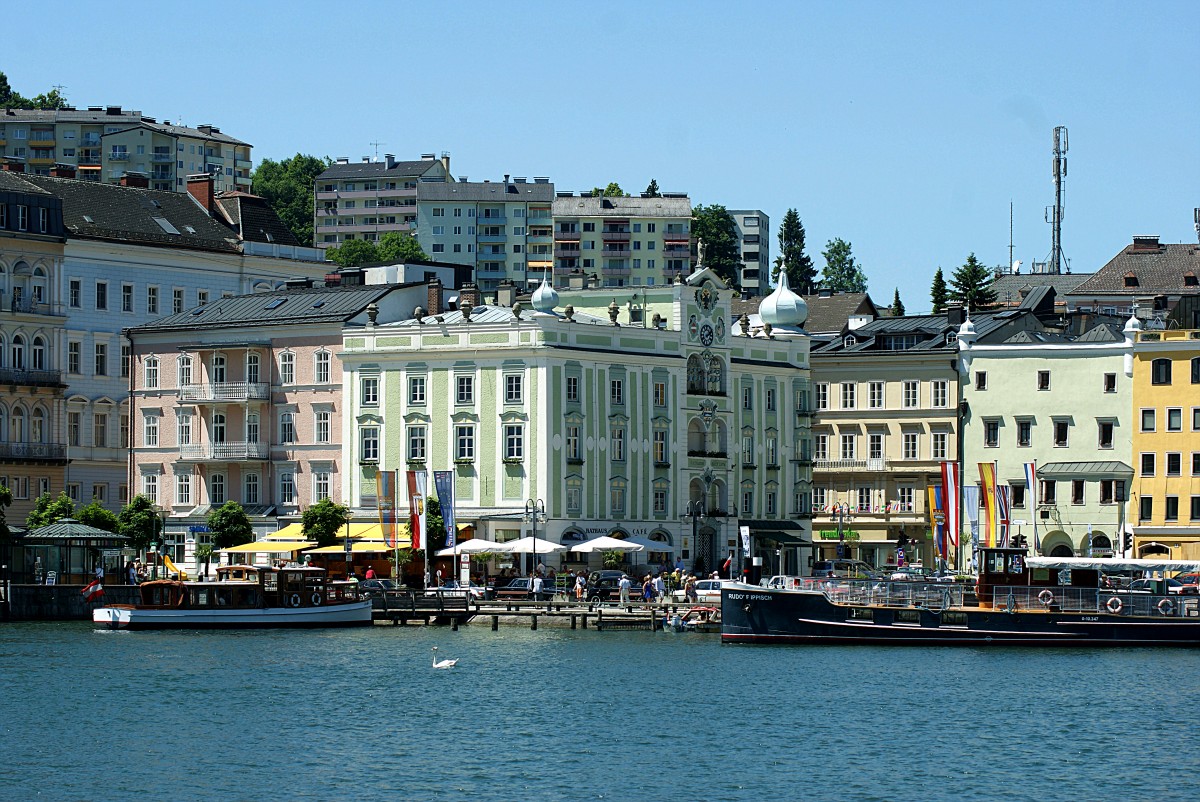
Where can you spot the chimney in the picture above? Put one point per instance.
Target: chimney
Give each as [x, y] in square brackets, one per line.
[62, 171]
[576, 280]
[113, 111]
[824, 292]
[343, 159]
[390, 160]
[12, 166]
[426, 157]
[955, 314]
[333, 279]
[433, 301]
[468, 296]
[1147, 242]
[506, 293]
[137, 180]
[200, 187]
[446, 161]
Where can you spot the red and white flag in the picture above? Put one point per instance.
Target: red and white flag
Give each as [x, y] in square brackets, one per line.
[92, 591]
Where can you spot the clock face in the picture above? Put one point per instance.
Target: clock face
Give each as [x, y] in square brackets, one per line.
[693, 326]
[706, 334]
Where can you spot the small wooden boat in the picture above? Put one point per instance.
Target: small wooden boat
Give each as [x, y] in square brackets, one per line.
[696, 619]
[243, 596]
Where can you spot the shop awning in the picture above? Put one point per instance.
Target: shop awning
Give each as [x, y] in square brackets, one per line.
[359, 547]
[783, 532]
[269, 547]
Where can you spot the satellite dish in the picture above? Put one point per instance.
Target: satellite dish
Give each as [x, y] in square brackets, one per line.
[1016, 266]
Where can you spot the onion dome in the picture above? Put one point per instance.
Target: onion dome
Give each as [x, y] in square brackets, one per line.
[783, 308]
[967, 328]
[545, 298]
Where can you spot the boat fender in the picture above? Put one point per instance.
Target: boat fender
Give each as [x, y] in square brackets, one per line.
[1046, 597]
[1114, 605]
[294, 601]
[1166, 607]
[316, 599]
[1010, 604]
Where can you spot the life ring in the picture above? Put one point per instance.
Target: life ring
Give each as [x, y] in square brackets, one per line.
[294, 601]
[1046, 597]
[316, 599]
[1166, 607]
[1115, 605]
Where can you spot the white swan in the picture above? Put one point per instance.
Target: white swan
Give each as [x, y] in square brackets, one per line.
[442, 663]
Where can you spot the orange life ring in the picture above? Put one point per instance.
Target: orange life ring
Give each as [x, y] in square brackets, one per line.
[1114, 605]
[1046, 597]
[1166, 607]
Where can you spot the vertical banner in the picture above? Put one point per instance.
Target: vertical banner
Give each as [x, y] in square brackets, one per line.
[1031, 502]
[385, 501]
[443, 483]
[416, 507]
[987, 491]
[1003, 505]
[950, 480]
[970, 510]
[937, 520]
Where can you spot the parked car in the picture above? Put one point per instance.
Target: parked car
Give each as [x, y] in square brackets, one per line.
[1152, 586]
[376, 588]
[783, 582]
[847, 569]
[454, 588]
[708, 591]
[605, 586]
[521, 588]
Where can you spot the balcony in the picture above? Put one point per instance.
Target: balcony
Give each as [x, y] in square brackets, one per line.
[567, 236]
[41, 138]
[243, 164]
[540, 239]
[492, 238]
[214, 158]
[33, 451]
[223, 452]
[491, 269]
[566, 252]
[677, 253]
[32, 306]
[615, 236]
[161, 175]
[851, 465]
[89, 161]
[31, 378]
[680, 268]
[225, 392]
[90, 141]
[490, 221]
[676, 236]
[118, 156]
[243, 180]
[161, 158]
[616, 253]
[615, 271]
[708, 454]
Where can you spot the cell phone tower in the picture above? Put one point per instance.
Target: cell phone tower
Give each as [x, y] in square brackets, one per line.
[1054, 214]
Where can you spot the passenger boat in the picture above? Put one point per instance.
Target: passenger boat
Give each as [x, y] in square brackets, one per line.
[243, 596]
[1018, 601]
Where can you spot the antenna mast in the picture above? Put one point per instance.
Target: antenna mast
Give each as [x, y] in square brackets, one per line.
[1054, 215]
[376, 144]
[1010, 245]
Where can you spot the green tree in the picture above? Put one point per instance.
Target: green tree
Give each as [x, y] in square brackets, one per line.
[48, 509]
[140, 522]
[287, 186]
[841, 273]
[971, 286]
[325, 522]
[49, 100]
[13, 100]
[897, 305]
[713, 226]
[613, 190]
[8, 98]
[95, 514]
[937, 293]
[204, 553]
[399, 246]
[353, 253]
[652, 189]
[230, 526]
[799, 266]
[5, 501]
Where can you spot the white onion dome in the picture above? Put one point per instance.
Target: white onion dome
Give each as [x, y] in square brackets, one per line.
[783, 308]
[1133, 324]
[966, 328]
[545, 298]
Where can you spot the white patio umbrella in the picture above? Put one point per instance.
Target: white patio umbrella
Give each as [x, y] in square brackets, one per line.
[476, 545]
[649, 545]
[606, 543]
[527, 545]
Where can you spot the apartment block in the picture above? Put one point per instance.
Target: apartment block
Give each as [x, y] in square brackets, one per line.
[639, 242]
[367, 199]
[754, 237]
[503, 229]
[106, 143]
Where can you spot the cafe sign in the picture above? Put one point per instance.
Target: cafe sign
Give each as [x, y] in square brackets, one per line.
[832, 534]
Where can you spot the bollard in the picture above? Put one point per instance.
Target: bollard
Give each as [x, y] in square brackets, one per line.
[572, 621]
[534, 625]
[585, 621]
[495, 623]
[454, 624]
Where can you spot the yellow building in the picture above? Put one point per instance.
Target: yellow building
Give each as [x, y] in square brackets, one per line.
[1166, 444]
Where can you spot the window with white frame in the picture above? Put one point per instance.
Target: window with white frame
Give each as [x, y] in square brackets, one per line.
[464, 443]
[416, 390]
[151, 372]
[514, 442]
[513, 385]
[572, 388]
[368, 439]
[818, 499]
[821, 447]
[772, 451]
[574, 496]
[911, 445]
[287, 427]
[321, 368]
[875, 395]
[287, 488]
[150, 487]
[287, 368]
[849, 395]
[770, 399]
[875, 445]
[660, 394]
[150, 430]
[616, 496]
[572, 442]
[912, 394]
[906, 499]
[747, 501]
[464, 390]
[99, 429]
[660, 498]
[183, 489]
[250, 489]
[416, 443]
[617, 443]
[847, 451]
[320, 485]
[939, 445]
[771, 502]
[616, 391]
[940, 392]
[370, 391]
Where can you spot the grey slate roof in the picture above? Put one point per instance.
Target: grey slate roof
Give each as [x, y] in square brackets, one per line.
[281, 307]
[622, 207]
[411, 169]
[254, 219]
[15, 182]
[826, 314]
[1009, 287]
[1089, 468]
[485, 192]
[129, 214]
[1158, 270]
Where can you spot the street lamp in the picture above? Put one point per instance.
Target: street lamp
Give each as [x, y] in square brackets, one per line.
[535, 510]
[695, 509]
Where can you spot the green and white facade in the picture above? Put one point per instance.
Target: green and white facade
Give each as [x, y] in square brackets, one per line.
[620, 426]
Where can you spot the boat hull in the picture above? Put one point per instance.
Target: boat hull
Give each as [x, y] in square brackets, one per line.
[761, 615]
[334, 615]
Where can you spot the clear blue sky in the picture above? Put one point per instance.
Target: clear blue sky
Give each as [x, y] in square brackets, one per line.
[905, 128]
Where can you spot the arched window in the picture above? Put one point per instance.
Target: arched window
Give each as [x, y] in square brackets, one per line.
[216, 489]
[17, 362]
[185, 371]
[250, 491]
[16, 426]
[287, 427]
[697, 438]
[219, 369]
[39, 353]
[714, 369]
[37, 426]
[695, 374]
[1160, 371]
[287, 368]
[252, 427]
[218, 427]
[151, 367]
[252, 363]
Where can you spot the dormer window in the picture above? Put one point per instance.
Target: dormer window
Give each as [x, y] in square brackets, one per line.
[1189, 279]
[1131, 280]
[849, 341]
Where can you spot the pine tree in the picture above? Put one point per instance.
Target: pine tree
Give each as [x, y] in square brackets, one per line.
[971, 286]
[937, 293]
[841, 273]
[652, 189]
[800, 271]
[897, 305]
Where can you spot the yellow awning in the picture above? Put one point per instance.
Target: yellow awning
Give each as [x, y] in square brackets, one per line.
[295, 531]
[269, 547]
[358, 547]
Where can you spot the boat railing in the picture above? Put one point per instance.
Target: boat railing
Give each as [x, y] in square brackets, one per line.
[1095, 600]
[887, 593]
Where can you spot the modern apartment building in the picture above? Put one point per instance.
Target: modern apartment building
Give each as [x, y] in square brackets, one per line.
[626, 242]
[1166, 444]
[131, 256]
[33, 455]
[754, 236]
[367, 199]
[105, 143]
[503, 229]
[241, 400]
[1065, 404]
[667, 427]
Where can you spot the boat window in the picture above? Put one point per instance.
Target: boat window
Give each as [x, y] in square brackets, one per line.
[271, 581]
[223, 597]
[995, 562]
[1016, 564]
[202, 599]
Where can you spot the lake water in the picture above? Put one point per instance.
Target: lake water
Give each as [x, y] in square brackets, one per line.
[581, 715]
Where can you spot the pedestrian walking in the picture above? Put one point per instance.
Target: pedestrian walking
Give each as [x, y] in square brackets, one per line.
[580, 587]
[690, 589]
[625, 585]
[647, 590]
[660, 588]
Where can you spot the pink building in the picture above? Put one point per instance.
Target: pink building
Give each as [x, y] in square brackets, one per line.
[241, 400]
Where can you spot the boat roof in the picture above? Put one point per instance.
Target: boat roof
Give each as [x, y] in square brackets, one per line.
[1102, 563]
